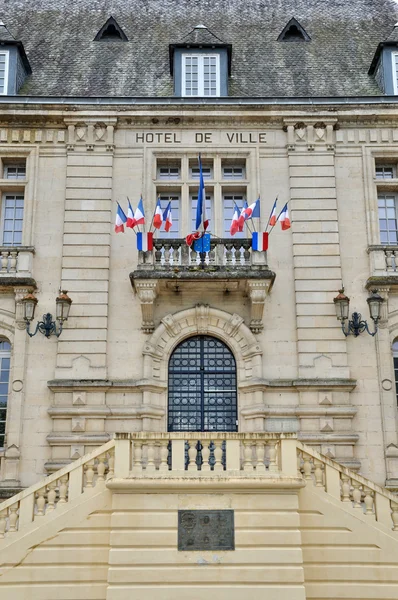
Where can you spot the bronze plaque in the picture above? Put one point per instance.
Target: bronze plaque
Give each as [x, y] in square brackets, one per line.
[206, 530]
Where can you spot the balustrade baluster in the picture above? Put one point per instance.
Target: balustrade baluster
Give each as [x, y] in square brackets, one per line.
[212, 254]
[307, 466]
[247, 456]
[175, 258]
[184, 256]
[218, 466]
[369, 501]
[247, 253]
[192, 453]
[13, 518]
[260, 455]
[394, 260]
[63, 489]
[150, 465]
[40, 502]
[299, 459]
[51, 496]
[89, 471]
[356, 494]
[111, 464]
[166, 255]
[228, 253]
[3, 523]
[273, 457]
[388, 255]
[345, 488]
[394, 515]
[206, 456]
[318, 472]
[13, 261]
[164, 453]
[137, 456]
[101, 468]
[4, 261]
[158, 253]
[194, 257]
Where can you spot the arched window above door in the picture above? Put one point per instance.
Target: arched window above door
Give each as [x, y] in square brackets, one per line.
[202, 392]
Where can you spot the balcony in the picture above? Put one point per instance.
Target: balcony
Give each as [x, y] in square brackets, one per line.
[230, 266]
[16, 264]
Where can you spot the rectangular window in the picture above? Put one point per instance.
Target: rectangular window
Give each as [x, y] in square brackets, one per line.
[4, 73]
[15, 171]
[233, 171]
[395, 71]
[168, 169]
[175, 213]
[201, 75]
[207, 169]
[229, 203]
[209, 210]
[12, 219]
[5, 352]
[388, 218]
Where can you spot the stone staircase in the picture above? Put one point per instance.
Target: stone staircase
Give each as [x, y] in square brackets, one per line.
[105, 526]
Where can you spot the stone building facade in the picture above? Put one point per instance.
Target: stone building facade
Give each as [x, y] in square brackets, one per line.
[97, 119]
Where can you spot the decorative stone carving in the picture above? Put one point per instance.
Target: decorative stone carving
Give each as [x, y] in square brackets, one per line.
[213, 321]
[90, 135]
[78, 424]
[257, 291]
[312, 134]
[173, 328]
[202, 316]
[325, 398]
[232, 326]
[79, 398]
[147, 291]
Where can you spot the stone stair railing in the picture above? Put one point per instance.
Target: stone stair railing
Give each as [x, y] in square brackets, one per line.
[56, 490]
[204, 454]
[369, 499]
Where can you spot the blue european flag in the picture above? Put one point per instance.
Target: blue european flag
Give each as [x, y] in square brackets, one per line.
[202, 244]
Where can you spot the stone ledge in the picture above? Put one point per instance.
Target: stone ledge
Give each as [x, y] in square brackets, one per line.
[197, 274]
[205, 484]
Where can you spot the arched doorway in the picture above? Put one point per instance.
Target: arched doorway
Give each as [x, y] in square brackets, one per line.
[202, 386]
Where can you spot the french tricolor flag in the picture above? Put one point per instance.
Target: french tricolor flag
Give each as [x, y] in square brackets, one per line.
[259, 241]
[249, 212]
[130, 216]
[120, 219]
[139, 217]
[235, 222]
[202, 222]
[284, 218]
[158, 216]
[167, 218]
[272, 218]
[145, 241]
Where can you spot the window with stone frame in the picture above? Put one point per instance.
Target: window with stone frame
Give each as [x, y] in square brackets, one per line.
[5, 359]
[387, 199]
[226, 186]
[12, 201]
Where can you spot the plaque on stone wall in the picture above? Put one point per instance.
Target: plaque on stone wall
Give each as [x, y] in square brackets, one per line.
[206, 530]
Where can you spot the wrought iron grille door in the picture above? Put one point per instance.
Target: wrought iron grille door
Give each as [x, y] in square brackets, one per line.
[202, 386]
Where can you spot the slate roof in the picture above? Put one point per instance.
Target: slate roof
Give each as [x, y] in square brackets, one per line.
[58, 38]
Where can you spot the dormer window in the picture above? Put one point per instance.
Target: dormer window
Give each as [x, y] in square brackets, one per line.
[201, 75]
[4, 58]
[294, 32]
[111, 32]
[200, 64]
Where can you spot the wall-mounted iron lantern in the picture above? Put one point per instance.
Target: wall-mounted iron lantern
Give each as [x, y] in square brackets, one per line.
[47, 326]
[356, 325]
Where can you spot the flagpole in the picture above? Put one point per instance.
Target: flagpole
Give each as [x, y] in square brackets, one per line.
[270, 214]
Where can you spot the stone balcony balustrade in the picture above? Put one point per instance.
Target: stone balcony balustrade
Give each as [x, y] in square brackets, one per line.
[16, 265]
[231, 265]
